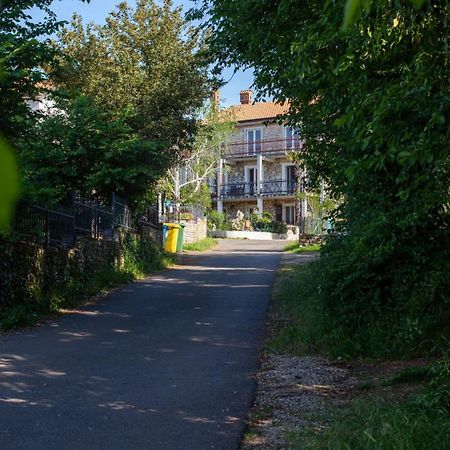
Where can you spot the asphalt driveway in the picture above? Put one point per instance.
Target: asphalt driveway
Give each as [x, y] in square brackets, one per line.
[165, 363]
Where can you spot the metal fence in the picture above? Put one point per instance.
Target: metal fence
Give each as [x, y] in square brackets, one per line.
[183, 213]
[85, 217]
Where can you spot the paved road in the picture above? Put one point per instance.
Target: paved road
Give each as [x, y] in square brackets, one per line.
[165, 363]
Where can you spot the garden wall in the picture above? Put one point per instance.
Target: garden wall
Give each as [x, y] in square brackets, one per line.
[39, 279]
[31, 273]
[194, 230]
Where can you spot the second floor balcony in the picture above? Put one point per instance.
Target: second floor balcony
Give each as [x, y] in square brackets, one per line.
[271, 188]
[272, 147]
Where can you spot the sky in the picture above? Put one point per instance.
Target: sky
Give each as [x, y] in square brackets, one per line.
[97, 10]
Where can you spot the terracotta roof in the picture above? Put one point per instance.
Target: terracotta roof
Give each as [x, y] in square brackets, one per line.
[257, 111]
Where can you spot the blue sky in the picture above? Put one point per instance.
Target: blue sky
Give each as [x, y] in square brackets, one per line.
[97, 10]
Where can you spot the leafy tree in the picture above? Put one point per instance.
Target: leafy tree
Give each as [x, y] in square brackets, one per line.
[22, 57]
[373, 103]
[146, 61]
[202, 161]
[126, 94]
[85, 148]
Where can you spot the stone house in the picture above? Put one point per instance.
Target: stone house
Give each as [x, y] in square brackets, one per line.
[256, 173]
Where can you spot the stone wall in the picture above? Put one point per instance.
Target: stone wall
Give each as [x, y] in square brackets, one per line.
[269, 132]
[30, 272]
[194, 230]
[39, 278]
[272, 169]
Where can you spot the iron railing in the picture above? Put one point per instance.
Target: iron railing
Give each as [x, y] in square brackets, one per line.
[85, 217]
[267, 189]
[183, 213]
[263, 147]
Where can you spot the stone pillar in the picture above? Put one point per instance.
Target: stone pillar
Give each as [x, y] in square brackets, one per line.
[259, 184]
[260, 206]
[260, 175]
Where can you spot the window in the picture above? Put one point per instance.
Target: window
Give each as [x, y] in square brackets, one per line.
[292, 137]
[289, 214]
[289, 177]
[254, 138]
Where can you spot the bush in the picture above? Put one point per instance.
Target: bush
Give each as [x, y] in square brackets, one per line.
[363, 301]
[266, 223]
[216, 221]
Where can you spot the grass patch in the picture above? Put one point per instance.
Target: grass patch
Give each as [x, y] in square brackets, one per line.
[202, 245]
[294, 247]
[409, 375]
[379, 425]
[294, 313]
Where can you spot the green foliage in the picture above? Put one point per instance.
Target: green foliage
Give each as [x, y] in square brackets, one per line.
[9, 184]
[140, 256]
[409, 375]
[145, 61]
[354, 8]
[421, 422]
[373, 104]
[217, 221]
[116, 127]
[201, 246]
[88, 149]
[328, 325]
[269, 226]
[378, 425]
[23, 56]
[294, 247]
[196, 195]
[266, 223]
[213, 134]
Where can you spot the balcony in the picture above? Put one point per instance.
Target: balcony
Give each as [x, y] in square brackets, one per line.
[266, 147]
[272, 188]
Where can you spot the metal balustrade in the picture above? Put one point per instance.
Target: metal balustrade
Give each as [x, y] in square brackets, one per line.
[263, 147]
[270, 188]
[60, 225]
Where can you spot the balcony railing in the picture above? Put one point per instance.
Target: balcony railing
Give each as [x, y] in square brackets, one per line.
[270, 188]
[266, 147]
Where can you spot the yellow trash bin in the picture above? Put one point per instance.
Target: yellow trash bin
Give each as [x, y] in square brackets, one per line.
[170, 244]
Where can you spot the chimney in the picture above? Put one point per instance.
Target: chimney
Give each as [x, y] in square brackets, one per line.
[246, 97]
[215, 96]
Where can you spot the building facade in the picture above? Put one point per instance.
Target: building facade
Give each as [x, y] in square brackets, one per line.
[257, 173]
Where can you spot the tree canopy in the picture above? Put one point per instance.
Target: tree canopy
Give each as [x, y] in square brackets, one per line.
[125, 95]
[373, 105]
[146, 61]
[23, 55]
